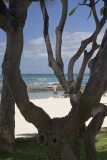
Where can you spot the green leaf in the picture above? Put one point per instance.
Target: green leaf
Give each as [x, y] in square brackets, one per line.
[101, 11]
[72, 11]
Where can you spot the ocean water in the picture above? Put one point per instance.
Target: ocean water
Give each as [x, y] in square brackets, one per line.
[46, 80]
[40, 85]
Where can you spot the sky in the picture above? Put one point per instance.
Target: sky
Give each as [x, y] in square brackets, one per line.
[77, 28]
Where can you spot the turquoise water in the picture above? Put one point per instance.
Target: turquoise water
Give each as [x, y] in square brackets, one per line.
[35, 82]
[42, 79]
[46, 80]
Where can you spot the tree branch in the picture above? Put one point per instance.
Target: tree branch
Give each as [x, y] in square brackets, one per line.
[52, 62]
[59, 31]
[103, 44]
[87, 56]
[84, 44]
[92, 5]
[84, 3]
[76, 56]
[4, 15]
[18, 11]
[96, 123]
[99, 55]
[105, 9]
[3, 8]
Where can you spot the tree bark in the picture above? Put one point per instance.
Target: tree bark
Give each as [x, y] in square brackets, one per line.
[7, 123]
[89, 145]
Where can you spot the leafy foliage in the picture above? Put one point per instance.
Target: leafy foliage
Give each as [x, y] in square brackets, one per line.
[101, 11]
[73, 11]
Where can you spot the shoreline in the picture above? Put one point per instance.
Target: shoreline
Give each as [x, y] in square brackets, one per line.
[39, 89]
[32, 89]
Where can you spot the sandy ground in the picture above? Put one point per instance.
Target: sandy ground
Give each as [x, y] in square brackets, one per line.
[55, 107]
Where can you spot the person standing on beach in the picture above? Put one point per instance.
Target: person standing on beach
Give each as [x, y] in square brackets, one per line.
[55, 90]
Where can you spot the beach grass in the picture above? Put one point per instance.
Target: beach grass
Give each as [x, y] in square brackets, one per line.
[32, 151]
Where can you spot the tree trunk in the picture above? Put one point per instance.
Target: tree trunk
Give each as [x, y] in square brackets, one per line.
[89, 145]
[7, 124]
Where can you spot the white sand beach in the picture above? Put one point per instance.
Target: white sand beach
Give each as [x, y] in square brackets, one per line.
[55, 107]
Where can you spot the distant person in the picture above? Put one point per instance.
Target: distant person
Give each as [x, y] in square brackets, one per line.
[55, 90]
